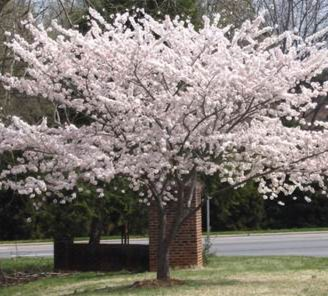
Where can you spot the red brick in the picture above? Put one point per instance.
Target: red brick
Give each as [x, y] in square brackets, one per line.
[186, 250]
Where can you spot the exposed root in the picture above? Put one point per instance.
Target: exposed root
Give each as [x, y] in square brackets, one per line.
[24, 277]
[157, 283]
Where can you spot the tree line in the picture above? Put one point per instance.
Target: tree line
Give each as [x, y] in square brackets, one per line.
[242, 209]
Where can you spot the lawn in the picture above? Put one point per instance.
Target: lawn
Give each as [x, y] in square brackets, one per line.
[233, 276]
[26, 264]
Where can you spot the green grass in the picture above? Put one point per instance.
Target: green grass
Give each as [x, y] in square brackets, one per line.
[26, 264]
[224, 276]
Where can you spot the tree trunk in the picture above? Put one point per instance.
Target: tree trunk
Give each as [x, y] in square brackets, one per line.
[95, 231]
[163, 262]
[125, 240]
[163, 257]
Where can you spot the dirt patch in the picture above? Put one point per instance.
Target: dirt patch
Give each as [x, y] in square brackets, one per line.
[25, 277]
[157, 283]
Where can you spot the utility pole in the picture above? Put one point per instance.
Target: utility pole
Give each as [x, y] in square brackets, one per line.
[208, 218]
[207, 245]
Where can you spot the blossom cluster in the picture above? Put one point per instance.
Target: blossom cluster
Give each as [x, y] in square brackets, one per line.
[166, 102]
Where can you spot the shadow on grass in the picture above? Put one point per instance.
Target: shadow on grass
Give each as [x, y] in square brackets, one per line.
[81, 276]
[128, 289]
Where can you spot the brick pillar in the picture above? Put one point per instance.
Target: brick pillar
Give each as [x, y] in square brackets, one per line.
[187, 248]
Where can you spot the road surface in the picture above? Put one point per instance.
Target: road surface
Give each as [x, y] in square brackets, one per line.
[299, 244]
[295, 244]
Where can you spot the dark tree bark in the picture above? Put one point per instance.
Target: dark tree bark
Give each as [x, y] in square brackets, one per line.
[163, 258]
[95, 231]
[125, 237]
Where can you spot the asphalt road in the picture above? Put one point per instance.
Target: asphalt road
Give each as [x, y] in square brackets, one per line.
[295, 244]
[299, 244]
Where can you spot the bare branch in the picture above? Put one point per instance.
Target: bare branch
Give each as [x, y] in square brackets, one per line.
[66, 13]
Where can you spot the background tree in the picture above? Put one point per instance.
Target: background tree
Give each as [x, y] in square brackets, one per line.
[232, 12]
[235, 209]
[305, 17]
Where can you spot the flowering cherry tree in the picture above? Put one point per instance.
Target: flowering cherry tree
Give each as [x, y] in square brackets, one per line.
[166, 104]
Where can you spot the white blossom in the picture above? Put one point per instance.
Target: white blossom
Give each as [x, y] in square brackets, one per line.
[167, 102]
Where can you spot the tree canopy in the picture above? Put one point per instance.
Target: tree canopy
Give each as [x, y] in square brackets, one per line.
[167, 103]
